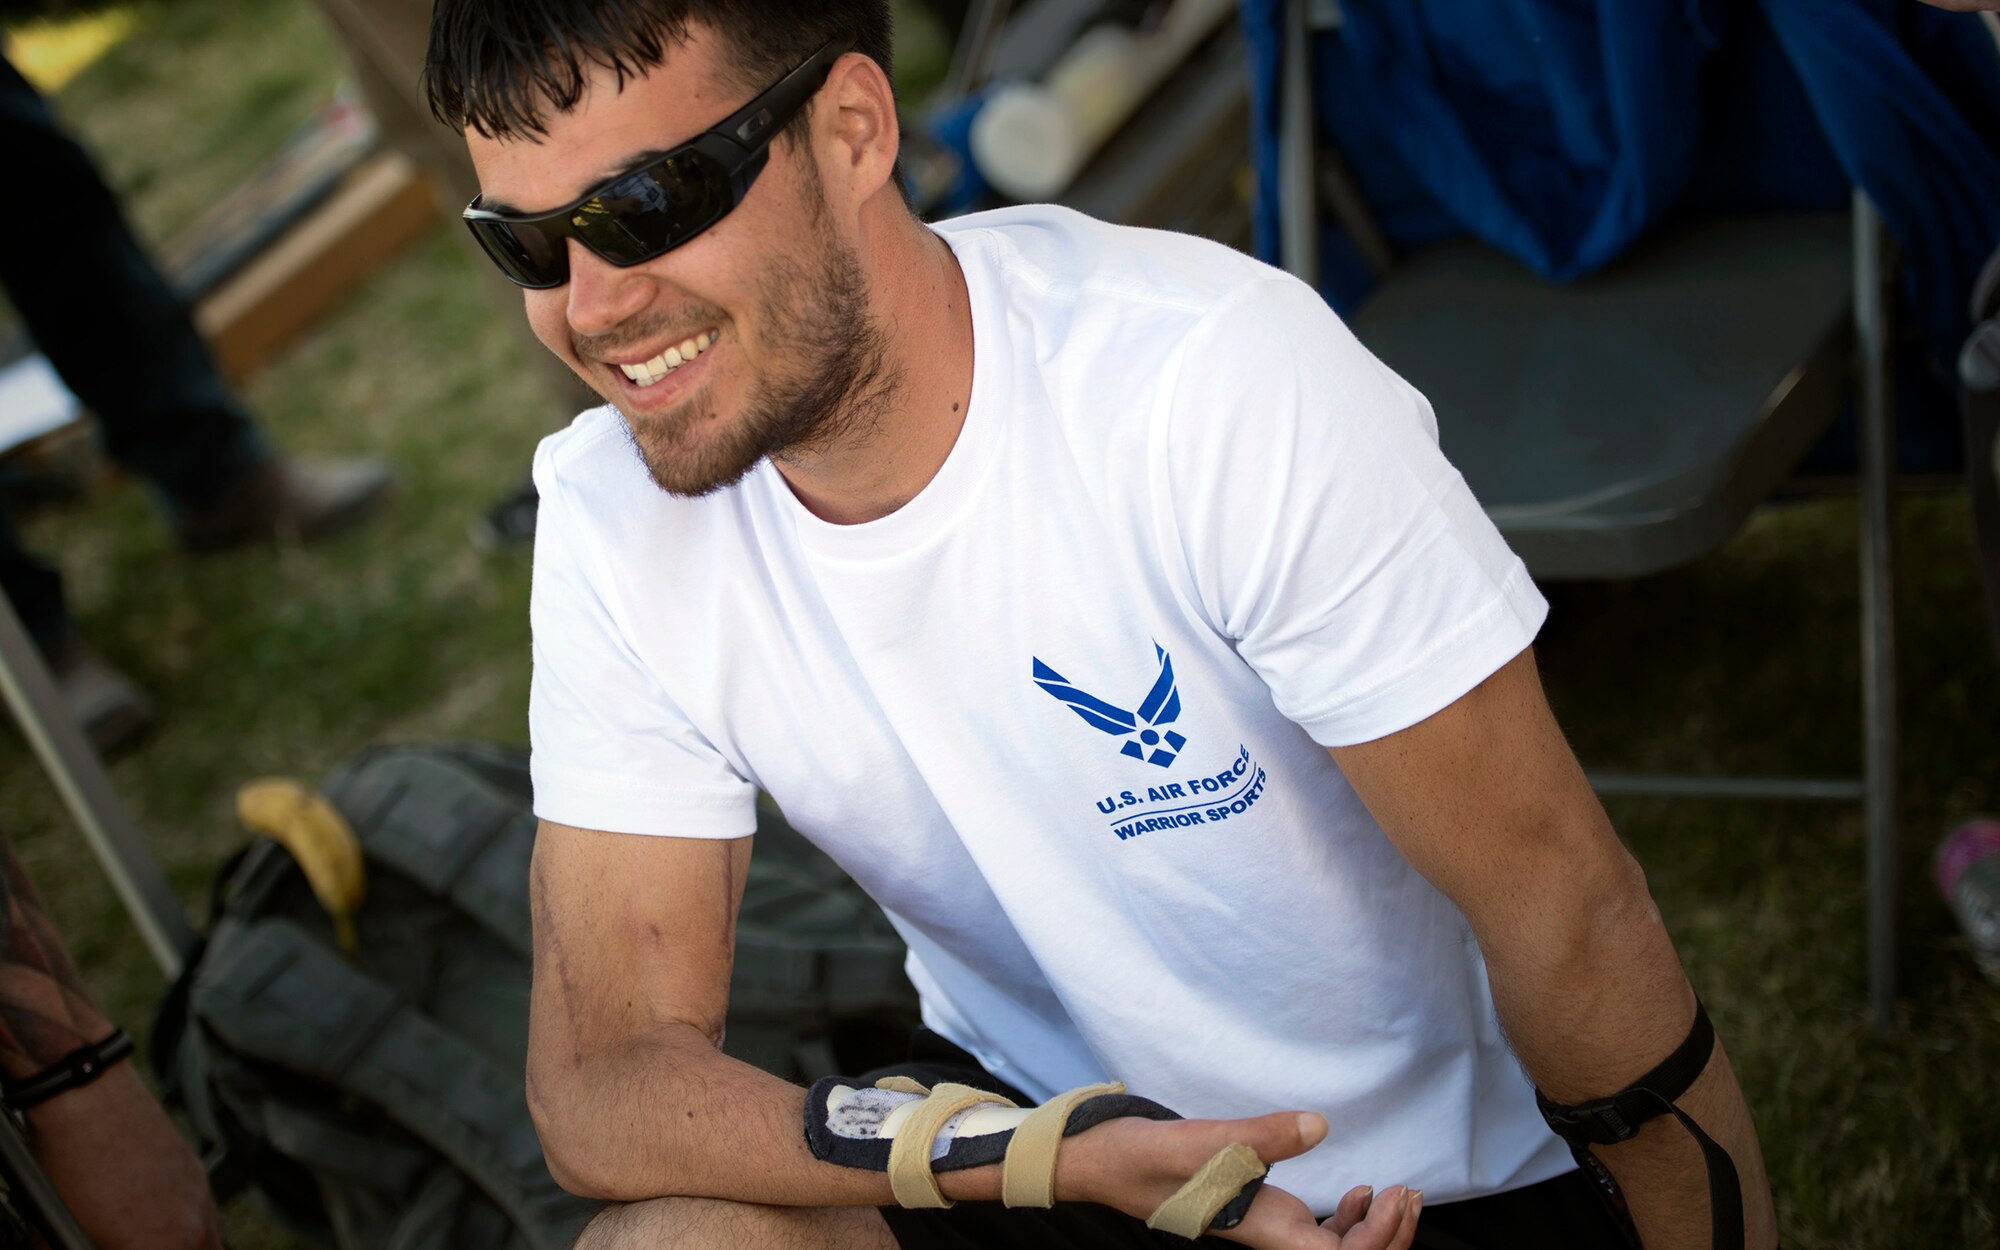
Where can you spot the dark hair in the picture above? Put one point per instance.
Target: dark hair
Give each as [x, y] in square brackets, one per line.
[495, 65]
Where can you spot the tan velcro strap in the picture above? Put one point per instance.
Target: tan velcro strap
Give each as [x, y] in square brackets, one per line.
[910, 1176]
[1193, 1206]
[902, 1085]
[1028, 1177]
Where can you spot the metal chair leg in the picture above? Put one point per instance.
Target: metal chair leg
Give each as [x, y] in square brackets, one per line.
[973, 53]
[30, 692]
[1298, 185]
[1876, 422]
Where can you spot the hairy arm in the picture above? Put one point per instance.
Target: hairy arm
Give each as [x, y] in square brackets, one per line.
[634, 940]
[107, 1147]
[1486, 800]
[634, 1099]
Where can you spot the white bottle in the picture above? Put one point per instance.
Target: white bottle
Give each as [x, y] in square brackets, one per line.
[1032, 139]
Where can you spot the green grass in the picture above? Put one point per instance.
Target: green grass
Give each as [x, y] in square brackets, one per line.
[196, 98]
[288, 660]
[1748, 662]
[285, 660]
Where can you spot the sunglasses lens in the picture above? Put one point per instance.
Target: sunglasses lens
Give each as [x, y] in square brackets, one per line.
[528, 256]
[653, 210]
[629, 222]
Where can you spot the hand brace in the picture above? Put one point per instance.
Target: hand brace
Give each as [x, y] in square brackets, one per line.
[912, 1133]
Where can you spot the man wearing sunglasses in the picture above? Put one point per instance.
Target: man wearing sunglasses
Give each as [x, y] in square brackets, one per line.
[1110, 615]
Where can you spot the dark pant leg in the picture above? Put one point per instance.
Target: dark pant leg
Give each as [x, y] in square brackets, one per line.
[35, 590]
[106, 318]
[1565, 1211]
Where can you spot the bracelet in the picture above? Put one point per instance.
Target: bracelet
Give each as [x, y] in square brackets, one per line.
[78, 1068]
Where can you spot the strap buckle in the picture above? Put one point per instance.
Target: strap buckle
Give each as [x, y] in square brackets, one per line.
[1608, 1121]
[1605, 1122]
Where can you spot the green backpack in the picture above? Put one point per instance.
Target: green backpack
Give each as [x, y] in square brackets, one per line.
[377, 1101]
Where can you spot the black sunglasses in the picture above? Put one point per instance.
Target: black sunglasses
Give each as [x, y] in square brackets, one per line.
[636, 216]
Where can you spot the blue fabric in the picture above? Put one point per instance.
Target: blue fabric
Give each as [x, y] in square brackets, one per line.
[1562, 130]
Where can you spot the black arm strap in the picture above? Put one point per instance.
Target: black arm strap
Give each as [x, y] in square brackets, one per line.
[1608, 1121]
[79, 1067]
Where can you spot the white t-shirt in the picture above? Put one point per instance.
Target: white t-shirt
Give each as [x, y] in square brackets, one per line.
[1064, 714]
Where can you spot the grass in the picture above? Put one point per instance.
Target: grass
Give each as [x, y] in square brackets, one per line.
[1746, 661]
[193, 98]
[284, 661]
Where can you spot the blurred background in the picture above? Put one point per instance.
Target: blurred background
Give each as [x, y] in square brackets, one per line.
[328, 274]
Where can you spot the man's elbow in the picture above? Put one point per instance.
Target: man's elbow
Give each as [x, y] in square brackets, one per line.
[1618, 902]
[1570, 897]
[596, 1142]
[1600, 932]
[570, 1154]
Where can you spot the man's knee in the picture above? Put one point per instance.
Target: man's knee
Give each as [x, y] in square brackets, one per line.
[714, 1224]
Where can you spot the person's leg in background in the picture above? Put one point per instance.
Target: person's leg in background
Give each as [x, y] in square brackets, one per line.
[106, 319]
[124, 344]
[385, 41]
[109, 708]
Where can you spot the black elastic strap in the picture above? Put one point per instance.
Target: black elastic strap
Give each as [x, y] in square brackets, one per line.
[1608, 1121]
[78, 1068]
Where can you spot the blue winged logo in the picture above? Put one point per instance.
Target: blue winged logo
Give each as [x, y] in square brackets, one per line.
[1144, 740]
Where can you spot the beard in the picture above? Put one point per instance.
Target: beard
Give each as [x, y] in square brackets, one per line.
[827, 383]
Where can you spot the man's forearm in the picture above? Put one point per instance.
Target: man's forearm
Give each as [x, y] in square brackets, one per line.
[675, 1117]
[672, 1115]
[1595, 1006]
[717, 1129]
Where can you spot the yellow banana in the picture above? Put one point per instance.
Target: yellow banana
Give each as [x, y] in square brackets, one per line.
[319, 838]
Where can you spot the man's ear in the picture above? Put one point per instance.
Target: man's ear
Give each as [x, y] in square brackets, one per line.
[856, 130]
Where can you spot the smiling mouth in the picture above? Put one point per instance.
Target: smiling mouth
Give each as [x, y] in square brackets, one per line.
[650, 372]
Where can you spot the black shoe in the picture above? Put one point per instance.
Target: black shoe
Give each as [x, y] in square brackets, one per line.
[510, 522]
[104, 704]
[294, 498]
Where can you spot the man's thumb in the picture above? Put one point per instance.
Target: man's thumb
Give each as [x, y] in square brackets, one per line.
[1282, 1134]
[1312, 1130]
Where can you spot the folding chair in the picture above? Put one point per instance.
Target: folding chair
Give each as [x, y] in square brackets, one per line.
[1613, 427]
[1631, 421]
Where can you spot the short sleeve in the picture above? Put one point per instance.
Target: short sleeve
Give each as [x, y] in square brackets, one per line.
[611, 749]
[1324, 532]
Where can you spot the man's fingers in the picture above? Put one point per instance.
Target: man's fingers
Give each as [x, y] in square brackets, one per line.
[1408, 1236]
[1390, 1224]
[1353, 1208]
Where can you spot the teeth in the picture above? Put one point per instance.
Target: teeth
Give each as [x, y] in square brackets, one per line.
[651, 371]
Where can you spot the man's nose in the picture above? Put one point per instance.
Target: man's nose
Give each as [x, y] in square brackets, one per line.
[601, 295]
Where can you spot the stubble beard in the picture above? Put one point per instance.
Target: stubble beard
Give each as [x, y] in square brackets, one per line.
[826, 384]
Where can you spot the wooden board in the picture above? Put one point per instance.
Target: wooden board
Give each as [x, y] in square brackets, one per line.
[375, 212]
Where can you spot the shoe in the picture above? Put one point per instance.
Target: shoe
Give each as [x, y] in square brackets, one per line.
[104, 704]
[294, 498]
[510, 522]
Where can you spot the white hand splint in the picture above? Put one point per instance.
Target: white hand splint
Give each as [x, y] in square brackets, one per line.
[900, 1127]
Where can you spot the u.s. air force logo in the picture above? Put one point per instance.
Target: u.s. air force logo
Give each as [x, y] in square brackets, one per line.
[1144, 740]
